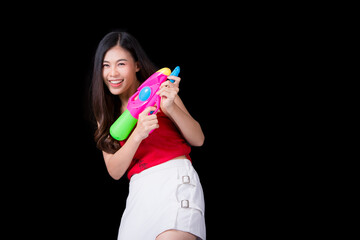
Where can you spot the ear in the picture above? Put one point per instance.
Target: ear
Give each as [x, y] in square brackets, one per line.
[137, 66]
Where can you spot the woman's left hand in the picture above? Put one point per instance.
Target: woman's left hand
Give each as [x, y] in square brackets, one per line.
[168, 92]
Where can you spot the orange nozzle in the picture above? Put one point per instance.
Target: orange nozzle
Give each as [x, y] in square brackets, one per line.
[165, 71]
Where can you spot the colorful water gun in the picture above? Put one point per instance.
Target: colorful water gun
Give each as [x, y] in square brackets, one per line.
[144, 97]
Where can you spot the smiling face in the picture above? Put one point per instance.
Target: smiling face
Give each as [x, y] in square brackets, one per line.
[119, 71]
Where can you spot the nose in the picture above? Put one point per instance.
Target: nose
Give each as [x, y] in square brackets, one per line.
[113, 72]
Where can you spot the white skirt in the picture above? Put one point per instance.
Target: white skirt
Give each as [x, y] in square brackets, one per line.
[163, 197]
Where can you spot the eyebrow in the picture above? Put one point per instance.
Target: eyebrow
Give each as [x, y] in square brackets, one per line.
[122, 59]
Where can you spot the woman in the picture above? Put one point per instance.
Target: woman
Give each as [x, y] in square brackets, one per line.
[165, 195]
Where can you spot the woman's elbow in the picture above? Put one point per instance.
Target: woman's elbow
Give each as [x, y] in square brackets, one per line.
[115, 175]
[198, 142]
[115, 169]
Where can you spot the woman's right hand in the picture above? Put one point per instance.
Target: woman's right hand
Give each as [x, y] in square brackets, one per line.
[145, 124]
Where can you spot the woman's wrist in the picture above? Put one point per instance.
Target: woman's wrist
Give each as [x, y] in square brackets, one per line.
[136, 137]
[170, 110]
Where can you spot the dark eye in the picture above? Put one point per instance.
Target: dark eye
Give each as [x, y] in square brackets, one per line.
[105, 65]
[121, 64]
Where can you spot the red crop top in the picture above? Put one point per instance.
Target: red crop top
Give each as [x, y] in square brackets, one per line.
[163, 144]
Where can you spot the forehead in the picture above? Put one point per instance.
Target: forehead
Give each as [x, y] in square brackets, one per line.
[115, 53]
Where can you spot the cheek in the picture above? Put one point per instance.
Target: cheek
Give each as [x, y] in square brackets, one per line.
[105, 72]
[128, 75]
[126, 72]
[104, 75]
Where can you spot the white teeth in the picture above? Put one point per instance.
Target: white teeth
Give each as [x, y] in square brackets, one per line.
[117, 82]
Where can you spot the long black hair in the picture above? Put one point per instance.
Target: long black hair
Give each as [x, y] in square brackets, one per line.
[106, 106]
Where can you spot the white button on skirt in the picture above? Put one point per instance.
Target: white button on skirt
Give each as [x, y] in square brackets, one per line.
[163, 197]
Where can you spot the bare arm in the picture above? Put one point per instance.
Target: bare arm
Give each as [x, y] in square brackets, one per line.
[119, 162]
[175, 109]
[188, 126]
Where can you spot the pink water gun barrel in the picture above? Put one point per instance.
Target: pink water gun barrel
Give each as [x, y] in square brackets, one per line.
[144, 97]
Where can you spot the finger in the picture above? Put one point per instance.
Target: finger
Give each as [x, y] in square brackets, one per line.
[147, 111]
[159, 92]
[163, 89]
[151, 127]
[150, 117]
[176, 90]
[176, 80]
[167, 84]
[173, 90]
[151, 124]
[168, 92]
[163, 92]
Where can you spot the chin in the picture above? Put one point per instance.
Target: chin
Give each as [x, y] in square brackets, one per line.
[115, 91]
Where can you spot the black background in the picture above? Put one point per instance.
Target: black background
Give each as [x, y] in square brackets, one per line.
[58, 178]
